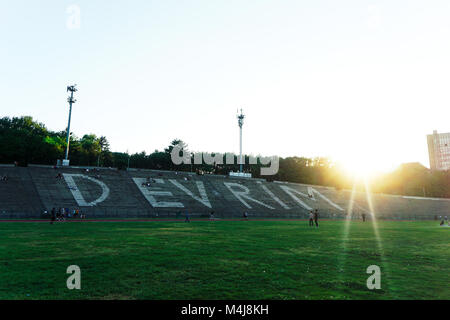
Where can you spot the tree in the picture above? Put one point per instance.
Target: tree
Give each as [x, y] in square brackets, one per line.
[91, 148]
[168, 151]
[105, 157]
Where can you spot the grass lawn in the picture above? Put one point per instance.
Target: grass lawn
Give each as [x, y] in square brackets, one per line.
[224, 260]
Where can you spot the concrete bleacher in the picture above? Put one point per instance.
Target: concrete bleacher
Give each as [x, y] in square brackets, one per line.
[125, 194]
[123, 198]
[18, 195]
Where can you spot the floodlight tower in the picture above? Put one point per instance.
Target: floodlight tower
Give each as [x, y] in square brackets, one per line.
[240, 123]
[71, 101]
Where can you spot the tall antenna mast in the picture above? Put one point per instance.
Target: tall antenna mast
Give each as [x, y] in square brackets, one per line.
[71, 101]
[240, 123]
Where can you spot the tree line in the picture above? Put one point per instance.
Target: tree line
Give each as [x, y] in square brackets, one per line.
[24, 141]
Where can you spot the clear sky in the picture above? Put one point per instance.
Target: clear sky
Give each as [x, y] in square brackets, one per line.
[353, 80]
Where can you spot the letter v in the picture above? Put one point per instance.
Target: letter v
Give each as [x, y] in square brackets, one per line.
[201, 189]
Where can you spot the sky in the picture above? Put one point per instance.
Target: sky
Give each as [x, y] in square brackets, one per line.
[358, 81]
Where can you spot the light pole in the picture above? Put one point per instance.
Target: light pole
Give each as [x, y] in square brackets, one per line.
[240, 123]
[71, 101]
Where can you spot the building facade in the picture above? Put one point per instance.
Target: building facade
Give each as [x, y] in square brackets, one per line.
[439, 150]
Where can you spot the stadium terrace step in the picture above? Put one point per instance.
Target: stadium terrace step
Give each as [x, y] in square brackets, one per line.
[150, 194]
[18, 195]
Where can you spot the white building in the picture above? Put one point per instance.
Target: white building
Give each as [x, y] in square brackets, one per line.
[439, 150]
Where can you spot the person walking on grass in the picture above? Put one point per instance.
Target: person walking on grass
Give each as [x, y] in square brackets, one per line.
[245, 215]
[311, 218]
[53, 216]
[187, 217]
[316, 217]
[363, 217]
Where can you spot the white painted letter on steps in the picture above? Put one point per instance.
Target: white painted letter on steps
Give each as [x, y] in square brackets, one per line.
[273, 196]
[291, 192]
[311, 191]
[77, 193]
[240, 195]
[201, 189]
[150, 193]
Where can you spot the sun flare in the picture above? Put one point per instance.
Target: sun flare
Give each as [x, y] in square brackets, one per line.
[364, 167]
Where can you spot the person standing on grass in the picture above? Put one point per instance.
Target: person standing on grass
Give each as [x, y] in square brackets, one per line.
[311, 218]
[316, 217]
[53, 216]
[363, 217]
[245, 215]
[58, 214]
[211, 216]
[187, 217]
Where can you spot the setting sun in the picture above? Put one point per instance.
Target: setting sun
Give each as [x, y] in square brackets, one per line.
[363, 165]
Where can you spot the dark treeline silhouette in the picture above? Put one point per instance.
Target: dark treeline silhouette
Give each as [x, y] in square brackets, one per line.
[24, 141]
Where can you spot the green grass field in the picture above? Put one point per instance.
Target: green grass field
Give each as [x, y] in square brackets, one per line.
[224, 260]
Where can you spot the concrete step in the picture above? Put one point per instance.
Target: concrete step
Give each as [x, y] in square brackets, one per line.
[112, 193]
